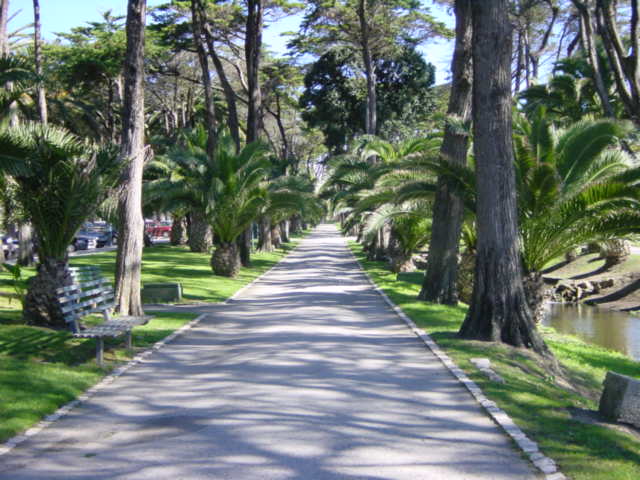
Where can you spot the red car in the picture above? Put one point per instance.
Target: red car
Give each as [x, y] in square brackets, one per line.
[158, 229]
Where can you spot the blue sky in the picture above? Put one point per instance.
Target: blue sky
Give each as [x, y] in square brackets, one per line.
[62, 15]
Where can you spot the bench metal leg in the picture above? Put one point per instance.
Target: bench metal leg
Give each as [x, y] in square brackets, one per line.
[129, 342]
[100, 351]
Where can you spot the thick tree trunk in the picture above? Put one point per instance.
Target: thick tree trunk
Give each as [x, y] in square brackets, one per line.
[131, 222]
[209, 110]
[440, 279]
[264, 235]
[253, 47]
[37, 50]
[41, 306]
[178, 231]
[225, 260]
[200, 236]
[499, 310]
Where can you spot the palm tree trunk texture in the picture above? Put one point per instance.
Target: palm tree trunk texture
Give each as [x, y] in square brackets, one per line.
[440, 280]
[264, 238]
[41, 306]
[225, 260]
[131, 231]
[499, 310]
[178, 231]
[200, 236]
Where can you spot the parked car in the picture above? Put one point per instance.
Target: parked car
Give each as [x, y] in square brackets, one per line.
[158, 229]
[9, 246]
[83, 241]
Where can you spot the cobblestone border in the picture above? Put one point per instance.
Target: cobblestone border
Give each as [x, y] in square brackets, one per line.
[48, 420]
[543, 463]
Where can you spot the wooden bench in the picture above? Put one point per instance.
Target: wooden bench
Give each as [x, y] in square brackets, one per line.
[91, 293]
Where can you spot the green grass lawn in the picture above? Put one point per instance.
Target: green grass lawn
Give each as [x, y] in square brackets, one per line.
[534, 398]
[42, 369]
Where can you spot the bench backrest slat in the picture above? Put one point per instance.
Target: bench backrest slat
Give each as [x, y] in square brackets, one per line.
[89, 293]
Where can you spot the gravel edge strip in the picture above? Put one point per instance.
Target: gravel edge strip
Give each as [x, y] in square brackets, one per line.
[543, 463]
[64, 410]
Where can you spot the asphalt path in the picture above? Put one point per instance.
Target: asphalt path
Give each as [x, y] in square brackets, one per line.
[306, 375]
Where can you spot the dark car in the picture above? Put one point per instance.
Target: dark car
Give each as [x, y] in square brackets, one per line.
[9, 246]
[83, 241]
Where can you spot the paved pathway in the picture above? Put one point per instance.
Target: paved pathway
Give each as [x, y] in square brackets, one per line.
[308, 375]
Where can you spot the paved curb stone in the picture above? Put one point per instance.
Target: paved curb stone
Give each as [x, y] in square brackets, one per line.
[543, 463]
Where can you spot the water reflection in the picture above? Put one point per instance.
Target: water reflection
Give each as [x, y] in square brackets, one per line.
[614, 330]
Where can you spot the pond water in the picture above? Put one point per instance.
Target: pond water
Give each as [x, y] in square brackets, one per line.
[614, 330]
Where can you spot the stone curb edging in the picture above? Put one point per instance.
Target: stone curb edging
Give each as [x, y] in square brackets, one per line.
[48, 420]
[543, 463]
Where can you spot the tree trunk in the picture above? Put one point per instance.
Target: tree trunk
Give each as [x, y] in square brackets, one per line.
[178, 231]
[209, 110]
[371, 122]
[41, 306]
[264, 237]
[200, 236]
[244, 241]
[276, 240]
[284, 231]
[440, 279]
[227, 88]
[4, 18]
[588, 42]
[225, 260]
[623, 59]
[499, 310]
[25, 245]
[42, 101]
[131, 222]
[294, 227]
[253, 47]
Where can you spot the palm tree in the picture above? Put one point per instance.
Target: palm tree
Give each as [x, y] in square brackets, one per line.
[573, 187]
[291, 195]
[60, 181]
[237, 195]
[183, 181]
